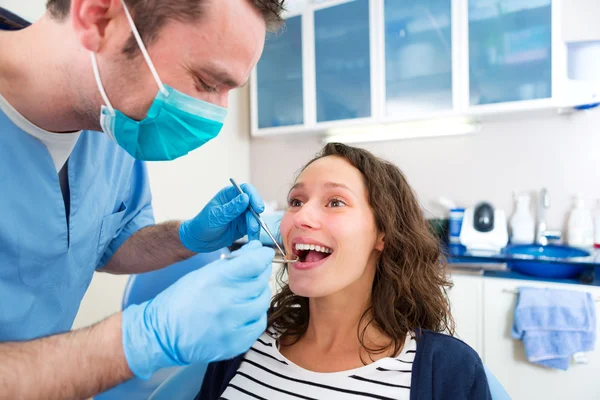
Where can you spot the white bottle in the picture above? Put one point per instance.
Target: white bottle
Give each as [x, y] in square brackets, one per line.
[522, 223]
[581, 225]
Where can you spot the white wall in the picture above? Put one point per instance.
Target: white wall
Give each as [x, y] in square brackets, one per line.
[561, 153]
[30, 10]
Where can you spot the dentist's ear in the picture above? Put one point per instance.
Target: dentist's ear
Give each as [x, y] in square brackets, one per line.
[380, 244]
[93, 20]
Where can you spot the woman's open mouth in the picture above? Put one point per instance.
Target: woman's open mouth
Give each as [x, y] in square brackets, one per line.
[310, 255]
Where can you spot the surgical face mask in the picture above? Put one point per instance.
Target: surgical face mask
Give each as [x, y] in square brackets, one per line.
[175, 124]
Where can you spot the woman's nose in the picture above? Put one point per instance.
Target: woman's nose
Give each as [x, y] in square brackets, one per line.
[307, 218]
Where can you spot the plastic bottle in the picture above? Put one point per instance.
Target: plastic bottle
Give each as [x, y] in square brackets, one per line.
[456, 221]
[581, 225]
[522, 223]
[597, 225]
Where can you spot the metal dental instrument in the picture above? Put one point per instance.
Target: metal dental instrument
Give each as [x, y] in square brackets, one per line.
[275, 260]
[265, 227]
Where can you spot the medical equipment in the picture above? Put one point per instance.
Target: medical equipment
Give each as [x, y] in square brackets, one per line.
[484, 228]
[275, 260]
[265, 227]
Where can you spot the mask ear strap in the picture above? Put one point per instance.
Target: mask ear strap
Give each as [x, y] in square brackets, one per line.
[140, 43]
[99, 83]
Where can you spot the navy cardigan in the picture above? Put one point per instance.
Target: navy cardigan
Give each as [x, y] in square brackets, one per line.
[10, 21]
[445, 368]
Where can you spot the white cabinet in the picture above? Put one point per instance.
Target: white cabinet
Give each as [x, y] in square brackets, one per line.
[466, 302]
[483, 310]
[343, 62]
[510, 51]
[505, 356]
[418, 57]
[279, 97]
[340, 63]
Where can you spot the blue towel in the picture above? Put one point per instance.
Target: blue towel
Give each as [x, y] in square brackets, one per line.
[554, 325]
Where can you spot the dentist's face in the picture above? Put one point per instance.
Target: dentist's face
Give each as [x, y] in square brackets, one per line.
[330, 225]
[205, 59]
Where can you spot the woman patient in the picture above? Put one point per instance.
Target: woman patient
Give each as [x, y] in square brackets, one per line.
[364, 309]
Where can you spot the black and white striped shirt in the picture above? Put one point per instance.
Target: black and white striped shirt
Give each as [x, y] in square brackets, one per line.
[266, 374]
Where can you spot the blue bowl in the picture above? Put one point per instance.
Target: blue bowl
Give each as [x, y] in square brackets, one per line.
[550, 261]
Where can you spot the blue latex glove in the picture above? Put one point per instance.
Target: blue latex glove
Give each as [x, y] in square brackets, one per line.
[225, 219]
[212, 314]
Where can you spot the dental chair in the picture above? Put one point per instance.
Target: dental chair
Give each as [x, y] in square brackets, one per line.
[496, 389]
[139, 289]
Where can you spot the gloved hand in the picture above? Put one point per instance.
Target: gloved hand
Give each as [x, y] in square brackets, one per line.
[225, 219]
[212, 314]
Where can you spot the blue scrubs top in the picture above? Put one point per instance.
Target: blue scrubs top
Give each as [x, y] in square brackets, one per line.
[46, 265]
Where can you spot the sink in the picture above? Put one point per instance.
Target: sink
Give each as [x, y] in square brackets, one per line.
[552, 261]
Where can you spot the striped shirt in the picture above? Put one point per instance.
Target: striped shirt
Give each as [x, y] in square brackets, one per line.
[266, 374]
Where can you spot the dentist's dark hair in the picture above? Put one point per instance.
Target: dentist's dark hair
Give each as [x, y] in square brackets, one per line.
[410, 287]
[151, 15]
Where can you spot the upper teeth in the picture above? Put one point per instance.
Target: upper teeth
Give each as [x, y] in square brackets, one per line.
[322, 249]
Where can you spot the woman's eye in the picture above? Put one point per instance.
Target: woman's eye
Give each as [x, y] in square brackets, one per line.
[336, 203]
[294, 203]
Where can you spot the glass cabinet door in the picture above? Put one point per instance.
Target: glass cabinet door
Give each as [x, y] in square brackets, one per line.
[279, 78]
[343, 61]
[510, 50]
[418, 56]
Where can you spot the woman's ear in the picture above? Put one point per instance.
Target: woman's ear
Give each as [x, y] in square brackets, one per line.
[380, 243]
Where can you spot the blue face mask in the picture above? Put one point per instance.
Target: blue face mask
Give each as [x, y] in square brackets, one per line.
[174, 125]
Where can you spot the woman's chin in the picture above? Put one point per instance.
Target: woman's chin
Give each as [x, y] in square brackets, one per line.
[301, 289]
[307, 288]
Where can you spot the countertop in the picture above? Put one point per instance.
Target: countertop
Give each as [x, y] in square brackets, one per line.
[458, 253]
[495, 265]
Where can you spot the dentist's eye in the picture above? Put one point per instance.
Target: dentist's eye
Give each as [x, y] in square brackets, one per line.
[208, 88]
[336, 203]
[203, 86]
[294, 203]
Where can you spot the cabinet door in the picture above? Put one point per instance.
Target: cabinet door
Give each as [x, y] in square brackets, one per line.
[343, 61]
[466, 299]
[279, 78]
[418, 56]
[505, 356]
[510, 50]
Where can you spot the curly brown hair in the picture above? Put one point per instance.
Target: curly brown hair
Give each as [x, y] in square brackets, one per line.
[410, 287]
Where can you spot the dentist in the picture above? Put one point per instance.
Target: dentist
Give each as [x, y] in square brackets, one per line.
[154, 76]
